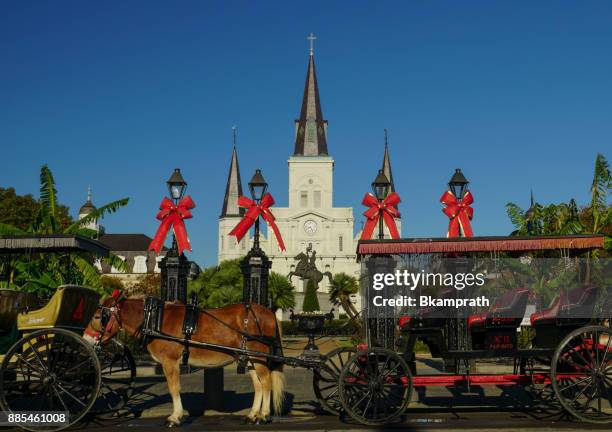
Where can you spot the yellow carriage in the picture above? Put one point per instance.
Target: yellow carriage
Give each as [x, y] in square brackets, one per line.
[49, 368]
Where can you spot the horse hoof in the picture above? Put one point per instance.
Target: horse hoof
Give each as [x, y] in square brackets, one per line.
[264, 420]
[171, 424]
[250, 421]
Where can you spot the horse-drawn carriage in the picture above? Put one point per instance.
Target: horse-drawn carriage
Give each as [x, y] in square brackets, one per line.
[46, 365]
[55, 368]
[569, 347]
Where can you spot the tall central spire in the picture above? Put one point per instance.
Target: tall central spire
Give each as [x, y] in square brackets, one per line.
[386, 165]
[311, 128]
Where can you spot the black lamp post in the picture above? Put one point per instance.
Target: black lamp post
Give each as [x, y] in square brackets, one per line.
[256, 265]
[380, 187]
[458, 184]
[380, 327]
[258, 188]
[458, 334]
[174, 267]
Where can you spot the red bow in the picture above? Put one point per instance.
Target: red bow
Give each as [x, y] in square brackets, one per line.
[459, 212]
[254, 210]
[388, 210]
[172, 215]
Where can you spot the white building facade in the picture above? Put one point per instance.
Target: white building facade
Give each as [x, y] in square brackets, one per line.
[310, 219]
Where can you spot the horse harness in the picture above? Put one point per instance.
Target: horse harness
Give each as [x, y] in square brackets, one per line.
[153, 318]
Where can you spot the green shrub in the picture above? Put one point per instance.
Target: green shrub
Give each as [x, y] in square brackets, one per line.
[311, 302]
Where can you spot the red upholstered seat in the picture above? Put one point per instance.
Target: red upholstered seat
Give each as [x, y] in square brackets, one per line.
[508, 310]
[577, 303]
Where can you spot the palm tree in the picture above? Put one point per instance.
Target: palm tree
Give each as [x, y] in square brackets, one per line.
[48, 272]
[281, 292]
[601, 186]
[341, 288]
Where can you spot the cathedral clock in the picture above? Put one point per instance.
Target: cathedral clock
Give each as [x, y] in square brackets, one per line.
[310, 227]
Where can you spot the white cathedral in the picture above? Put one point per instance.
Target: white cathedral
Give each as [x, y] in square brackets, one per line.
[310, 219]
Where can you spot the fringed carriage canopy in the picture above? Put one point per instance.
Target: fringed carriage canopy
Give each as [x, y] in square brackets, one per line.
[479, 244]
[64, 243]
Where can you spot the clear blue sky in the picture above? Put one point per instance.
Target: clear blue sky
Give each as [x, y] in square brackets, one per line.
[117, 94]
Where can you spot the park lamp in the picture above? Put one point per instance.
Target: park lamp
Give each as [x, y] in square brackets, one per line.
[177, 185]
[258, 186]
[458, 184]
[380, 185]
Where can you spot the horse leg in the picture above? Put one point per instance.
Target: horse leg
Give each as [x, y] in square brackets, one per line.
[266, 386]
[172, 373]
[257, 397]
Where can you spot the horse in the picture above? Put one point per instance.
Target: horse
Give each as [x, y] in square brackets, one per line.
[220, 326]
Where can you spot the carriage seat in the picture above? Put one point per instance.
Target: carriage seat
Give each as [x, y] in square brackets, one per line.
[508, 311]
[578, 303]
[71, 306]
[11, 303]
[427, 316]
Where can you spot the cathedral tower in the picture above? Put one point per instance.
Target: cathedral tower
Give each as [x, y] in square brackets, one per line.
[231, 214]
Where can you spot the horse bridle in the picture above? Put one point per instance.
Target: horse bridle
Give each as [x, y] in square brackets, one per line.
[109, 315]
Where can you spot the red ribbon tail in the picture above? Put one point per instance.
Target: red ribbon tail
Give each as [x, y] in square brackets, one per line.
[242, 228]
[464, 223]
[269, 218]
[277, 234]
[368, 228]
[160, 236]
[390, 222]
[180, 233]
[453, 228]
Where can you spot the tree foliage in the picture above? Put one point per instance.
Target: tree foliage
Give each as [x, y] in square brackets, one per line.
[220, 285]
[20, 211]
[341, 288]
[111, 283]
[281, 291]
[148, 284]
[42, 273]
[568, 218]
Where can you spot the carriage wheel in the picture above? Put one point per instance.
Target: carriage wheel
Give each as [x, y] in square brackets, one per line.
[325, 380]
[118, 370]
[375, 386]
[50, 370]
[581, 374]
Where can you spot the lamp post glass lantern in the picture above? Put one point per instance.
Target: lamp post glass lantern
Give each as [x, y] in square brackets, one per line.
[458, 184]
[380, 187]
[175, 268]
[256, 265]
[258, 186]
[176, 185]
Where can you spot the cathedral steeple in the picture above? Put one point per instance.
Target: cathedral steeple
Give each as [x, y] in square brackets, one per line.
[233, 189]
[311, 128]
[386, 164]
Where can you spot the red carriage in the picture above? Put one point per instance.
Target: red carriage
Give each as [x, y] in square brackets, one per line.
[569, 347]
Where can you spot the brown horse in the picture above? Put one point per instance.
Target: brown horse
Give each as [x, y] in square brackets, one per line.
[216, 326]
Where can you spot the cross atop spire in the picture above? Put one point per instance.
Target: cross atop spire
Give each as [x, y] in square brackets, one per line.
[311, 38]
[386, 164]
